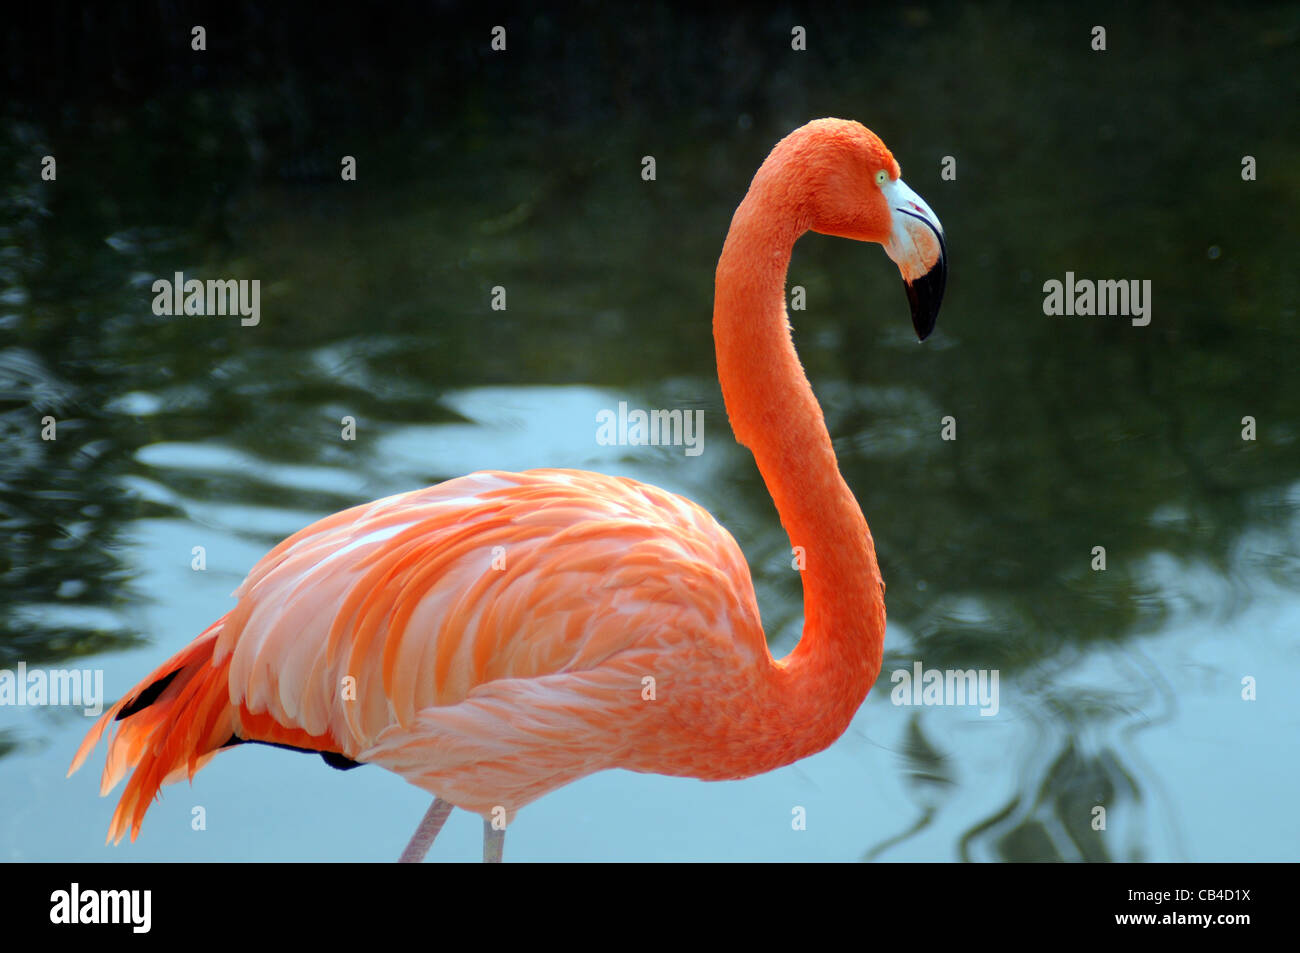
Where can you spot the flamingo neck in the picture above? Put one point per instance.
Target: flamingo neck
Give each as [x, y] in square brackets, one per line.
[774, 413]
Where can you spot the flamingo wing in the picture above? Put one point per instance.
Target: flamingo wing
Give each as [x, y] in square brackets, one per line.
[488, 638]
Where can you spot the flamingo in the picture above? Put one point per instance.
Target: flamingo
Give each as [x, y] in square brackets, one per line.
[496, 636]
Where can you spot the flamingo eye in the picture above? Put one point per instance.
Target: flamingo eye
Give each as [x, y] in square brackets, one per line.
[882, 177]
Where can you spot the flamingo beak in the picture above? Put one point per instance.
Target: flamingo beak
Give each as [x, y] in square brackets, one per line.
[917, 247]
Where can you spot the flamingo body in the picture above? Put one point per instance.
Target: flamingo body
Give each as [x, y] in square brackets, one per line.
[488, 638]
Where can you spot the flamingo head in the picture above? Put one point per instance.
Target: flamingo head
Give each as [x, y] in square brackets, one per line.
[850, 187]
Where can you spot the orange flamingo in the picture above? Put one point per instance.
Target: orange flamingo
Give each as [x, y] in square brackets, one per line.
[496, 636]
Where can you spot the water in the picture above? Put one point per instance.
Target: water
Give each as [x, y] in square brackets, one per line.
[1120, 689]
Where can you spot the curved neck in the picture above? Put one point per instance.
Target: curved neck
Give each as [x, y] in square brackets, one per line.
[774, 413]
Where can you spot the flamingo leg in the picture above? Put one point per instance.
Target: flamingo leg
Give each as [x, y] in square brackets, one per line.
[423, 837]
[494, 843]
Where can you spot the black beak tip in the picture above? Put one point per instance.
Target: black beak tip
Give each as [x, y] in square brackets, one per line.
[923, 322]
[925, 294]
